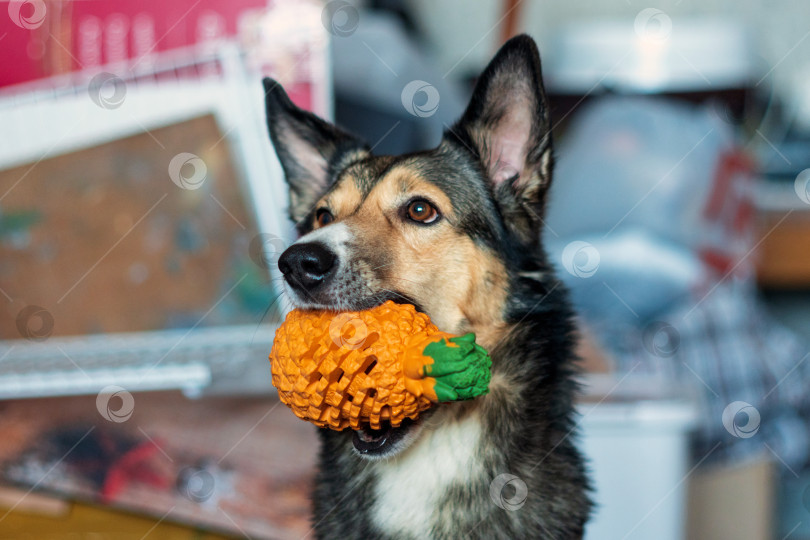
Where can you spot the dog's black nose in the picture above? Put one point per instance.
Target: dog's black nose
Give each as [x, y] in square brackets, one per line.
[305, 266]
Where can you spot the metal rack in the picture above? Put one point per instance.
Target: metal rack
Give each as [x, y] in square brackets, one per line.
[57, 115]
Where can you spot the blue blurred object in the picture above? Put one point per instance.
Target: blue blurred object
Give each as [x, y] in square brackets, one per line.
[640, 275]
[635, 162]
[642, 208]
[631, 183]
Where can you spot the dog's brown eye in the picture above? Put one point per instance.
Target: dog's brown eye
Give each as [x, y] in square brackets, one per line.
[422, 211]
[324, 217]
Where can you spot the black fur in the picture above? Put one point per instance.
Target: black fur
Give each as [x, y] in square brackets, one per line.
[528, 424]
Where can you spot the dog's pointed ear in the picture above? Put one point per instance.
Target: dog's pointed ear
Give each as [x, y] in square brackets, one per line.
[507, 126]
[311, 151]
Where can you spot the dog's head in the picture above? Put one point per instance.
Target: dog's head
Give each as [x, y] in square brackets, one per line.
[445, 229]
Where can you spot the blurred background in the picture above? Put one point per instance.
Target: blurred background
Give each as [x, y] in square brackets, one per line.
[142, 212]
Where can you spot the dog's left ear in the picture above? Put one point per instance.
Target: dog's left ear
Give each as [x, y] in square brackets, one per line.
[311, 151]
[507, 126]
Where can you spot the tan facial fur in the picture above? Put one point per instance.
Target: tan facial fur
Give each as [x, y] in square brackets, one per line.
[459, 284]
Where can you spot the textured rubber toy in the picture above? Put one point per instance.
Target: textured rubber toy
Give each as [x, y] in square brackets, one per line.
[361, 368]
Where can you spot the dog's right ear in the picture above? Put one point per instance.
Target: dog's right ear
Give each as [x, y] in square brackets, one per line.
[507, 127]
[311, 151]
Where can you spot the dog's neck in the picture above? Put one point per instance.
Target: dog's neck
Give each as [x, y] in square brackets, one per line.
[499, 309]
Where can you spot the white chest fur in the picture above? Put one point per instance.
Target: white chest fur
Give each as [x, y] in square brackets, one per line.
[410, 485]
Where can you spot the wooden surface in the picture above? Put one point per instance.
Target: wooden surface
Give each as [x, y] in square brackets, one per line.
[96, 523]
[733, 502]
[783, 257]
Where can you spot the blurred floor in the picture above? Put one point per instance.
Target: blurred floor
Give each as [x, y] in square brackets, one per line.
[83, 521]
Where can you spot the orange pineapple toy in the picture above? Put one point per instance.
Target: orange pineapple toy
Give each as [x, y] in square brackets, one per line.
[360, 368]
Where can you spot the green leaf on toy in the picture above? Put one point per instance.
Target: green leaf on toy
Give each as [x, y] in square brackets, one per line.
[462, 371]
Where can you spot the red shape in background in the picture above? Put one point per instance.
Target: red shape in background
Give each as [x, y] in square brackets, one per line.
[66, 38]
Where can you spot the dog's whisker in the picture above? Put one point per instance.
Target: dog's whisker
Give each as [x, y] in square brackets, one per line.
[381, 266]
[278, 299]
[404, 279]
[397, 294]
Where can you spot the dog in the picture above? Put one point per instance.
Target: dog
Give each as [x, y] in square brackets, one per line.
[455, 231]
